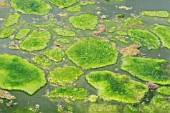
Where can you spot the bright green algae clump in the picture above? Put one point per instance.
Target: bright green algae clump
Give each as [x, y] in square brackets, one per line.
[64, 32]
[64, 76]
[56, 55]
[7, 32]
[163, 33]
[113, 87]
[147, 69]
[138, 109]
[144, 38]
[18, 74]
[92, 53]
[164, 90]
[37, 40]
[63, 3]
[163, 14]
[22, 33]
[69, 93]
[76, 8]
[84, 21]
[103, 108]
[12, 19]
[37, 7]
[42, 60]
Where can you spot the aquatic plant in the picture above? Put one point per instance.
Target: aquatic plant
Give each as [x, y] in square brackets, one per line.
[84, 21]
[144, 38]
[93, 98]
[22, 33]
[147, 69]
[163, 33]
[164, 14]
[63, 3]
[6, 32]
[121, 88]
[138, 109]
[42, 60]
[37, 40]
[37, 7]
[165, 90]
[64, 76]
[132, 22]
[76, 8]
[64, 32]
[91, 52]
[18, 74]
[72, 94]
[12, 19]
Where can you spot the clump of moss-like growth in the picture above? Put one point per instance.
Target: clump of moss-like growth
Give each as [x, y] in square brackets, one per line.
[56, 55]
[37, 40]
[93, 98]
[138, 109]
[42, 60]
[147, 69]
[103, 108]
[164, 90]
[18, 74]
[12, 19]
[164, 14]
[63, 4]
[160, 104]
[65, 76]
[64, 32]
[84, 21]
[72, 94]
[144, 38]
[76, 8]
[113, 87]
[7, 32]
[22, 33]
[163, 33]
[92, 53]
[37, 7]
[132, 22]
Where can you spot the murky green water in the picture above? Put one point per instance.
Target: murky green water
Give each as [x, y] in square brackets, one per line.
[109, 9]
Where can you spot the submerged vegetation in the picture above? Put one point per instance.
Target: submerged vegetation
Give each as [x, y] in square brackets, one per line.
[7, 32]
[12, 19]
[164, 14]
[63, 4]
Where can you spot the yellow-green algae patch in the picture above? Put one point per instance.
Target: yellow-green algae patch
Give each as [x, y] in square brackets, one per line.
[84, 21]
[37, 7]
[92, 53]
[22, 33]
[76, 8]
[144, 38]
[121, 88]
[163, 14]
[64, 32]
[54, 54]
[12, 19]
[147, 69]
[138, 109]
[165, 90]
[18, 74]
[63, 3]
[68, 93]
[65, 76]
[37, 40]
[103, 108]
[163, 33]
[42, 60]
[7, 32]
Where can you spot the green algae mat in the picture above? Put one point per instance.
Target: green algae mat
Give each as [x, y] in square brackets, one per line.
[84, 56]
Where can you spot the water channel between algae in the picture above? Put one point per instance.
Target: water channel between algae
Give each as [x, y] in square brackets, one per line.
[84, 56]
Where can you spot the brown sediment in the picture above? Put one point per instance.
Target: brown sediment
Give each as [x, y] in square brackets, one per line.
[6, 95]
[101, 29]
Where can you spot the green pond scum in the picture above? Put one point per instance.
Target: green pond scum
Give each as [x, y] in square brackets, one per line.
[84, 56]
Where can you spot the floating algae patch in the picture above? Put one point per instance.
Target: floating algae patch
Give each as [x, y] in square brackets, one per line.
[163, 14]
[93, 98]
[37, 40]
[64, 32]
[18, 74]
[65, 76]
[6, 32]
[84, 21]
[144, 38]
[147, 69]
[160, 104]
[113, 87]
[37, 7]
[12, 19]
[163, 33]
[165, 90]
[68, 93]
[92, 53]
[63, 3]
[76, 8]
[132, 22]
[42, 60]
[22, 33]
[103, 108]
[56, 55]
[139, 109]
